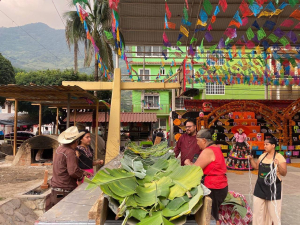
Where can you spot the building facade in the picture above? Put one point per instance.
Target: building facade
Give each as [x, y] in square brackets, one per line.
[149, 65]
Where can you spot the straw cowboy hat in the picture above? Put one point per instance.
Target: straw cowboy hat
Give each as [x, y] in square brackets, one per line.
[69, 135]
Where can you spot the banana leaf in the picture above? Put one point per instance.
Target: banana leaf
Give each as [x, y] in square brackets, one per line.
[159, 166]
[130, 165]
[116, 181]
[148, 195]
[186, 208]
[184, 178]
[156, 219]
[150, 160]
[177, 202]
[173, 165]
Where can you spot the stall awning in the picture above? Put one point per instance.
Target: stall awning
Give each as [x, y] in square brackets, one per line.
[53, 96]
[86, 117]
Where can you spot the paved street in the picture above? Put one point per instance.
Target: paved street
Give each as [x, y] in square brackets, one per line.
[240, 182]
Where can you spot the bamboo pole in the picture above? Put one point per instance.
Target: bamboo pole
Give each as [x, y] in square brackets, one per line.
[15, 127]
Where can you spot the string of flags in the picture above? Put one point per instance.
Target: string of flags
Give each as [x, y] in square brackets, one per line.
[83, 15]
[234, 58]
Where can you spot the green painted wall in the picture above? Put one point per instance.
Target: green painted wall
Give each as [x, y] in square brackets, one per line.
[240, 91]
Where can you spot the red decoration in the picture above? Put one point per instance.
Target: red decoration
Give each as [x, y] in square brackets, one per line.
[223, 4]
[169, 14]
[245, 9]
[287, 23]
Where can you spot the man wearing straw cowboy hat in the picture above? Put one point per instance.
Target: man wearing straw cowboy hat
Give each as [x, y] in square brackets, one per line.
[66, 172]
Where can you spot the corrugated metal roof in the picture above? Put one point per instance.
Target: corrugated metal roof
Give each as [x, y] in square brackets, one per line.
[86, 117]
[56, 96]
[142, 22]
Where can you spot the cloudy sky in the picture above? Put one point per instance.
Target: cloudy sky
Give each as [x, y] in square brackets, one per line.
[33, 11]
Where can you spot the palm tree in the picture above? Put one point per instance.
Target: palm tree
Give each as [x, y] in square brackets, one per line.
[98, 21]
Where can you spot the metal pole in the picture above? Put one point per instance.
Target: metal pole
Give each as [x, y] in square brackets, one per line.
[40, 119]
[173, 108]
[57, 116]
[74, 117]
[68, 111]
[96, 130]
[15, 127]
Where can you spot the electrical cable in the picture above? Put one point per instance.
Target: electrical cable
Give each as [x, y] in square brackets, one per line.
[30, 35]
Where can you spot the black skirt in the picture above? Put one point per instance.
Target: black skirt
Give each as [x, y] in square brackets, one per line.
[218, 196]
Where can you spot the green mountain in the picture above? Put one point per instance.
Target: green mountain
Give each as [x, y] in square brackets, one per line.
[37, 46]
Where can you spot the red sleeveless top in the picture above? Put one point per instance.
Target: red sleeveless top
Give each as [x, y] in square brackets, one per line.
[216, 171]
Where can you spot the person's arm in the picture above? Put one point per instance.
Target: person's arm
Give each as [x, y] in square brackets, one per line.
[253, 163]
[72, 167]
[204, 159]
[281, 166]
[97, 162]
[177, 149]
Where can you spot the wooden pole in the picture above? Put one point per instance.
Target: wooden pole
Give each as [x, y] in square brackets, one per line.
[40, 119]
[57, 115]
[15, 127]
[68, 111]
[113, 138]
[96, 130]
[74, 117]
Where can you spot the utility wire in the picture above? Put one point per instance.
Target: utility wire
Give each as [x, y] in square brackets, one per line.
[65, 28]
[29, 34]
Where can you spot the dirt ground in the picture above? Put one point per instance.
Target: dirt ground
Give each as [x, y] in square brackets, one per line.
[14, 180]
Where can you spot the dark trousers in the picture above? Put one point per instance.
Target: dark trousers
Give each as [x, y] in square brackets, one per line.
[218, 196]
[53, 198]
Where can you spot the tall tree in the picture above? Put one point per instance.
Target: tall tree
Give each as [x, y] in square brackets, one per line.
[98, 21]
[7, 74]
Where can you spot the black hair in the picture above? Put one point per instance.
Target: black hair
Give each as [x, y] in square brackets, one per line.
[191, 121]
[272, 141]
[80, 138]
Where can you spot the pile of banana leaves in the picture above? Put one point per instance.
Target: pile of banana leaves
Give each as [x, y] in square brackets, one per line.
[151, 187]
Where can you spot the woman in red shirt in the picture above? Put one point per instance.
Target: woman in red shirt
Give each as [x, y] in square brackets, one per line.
[212, 161]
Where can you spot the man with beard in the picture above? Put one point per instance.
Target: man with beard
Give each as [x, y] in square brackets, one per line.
[187, 143]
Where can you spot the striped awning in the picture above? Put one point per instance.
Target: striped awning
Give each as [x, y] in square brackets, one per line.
[86, 117]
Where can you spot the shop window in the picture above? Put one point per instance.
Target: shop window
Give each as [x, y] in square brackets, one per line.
[151, 101]
[215, 89]
[144, 74]
[161, 123]
[179, 103]
[162, 71]
[150, 51]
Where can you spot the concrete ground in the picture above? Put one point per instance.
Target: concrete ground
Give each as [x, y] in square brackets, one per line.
[240, 182]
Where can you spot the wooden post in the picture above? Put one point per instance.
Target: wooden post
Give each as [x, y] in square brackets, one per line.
[68, 111]
[15, 127]
[45, 185]
[96, 130]
[40, 119]
[74, 117]
[57, 115]
[113, 139]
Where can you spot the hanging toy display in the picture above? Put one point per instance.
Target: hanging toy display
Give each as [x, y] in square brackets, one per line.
[215, 135]
[201, 114]
[238, 156]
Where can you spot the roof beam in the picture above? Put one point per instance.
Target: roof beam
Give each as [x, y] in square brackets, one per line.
[104, 86]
